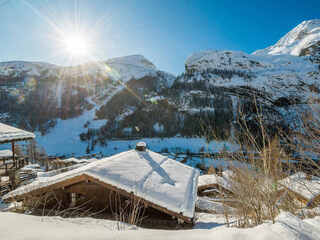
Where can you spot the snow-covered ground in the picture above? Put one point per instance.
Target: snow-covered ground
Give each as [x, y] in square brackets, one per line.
[24, 227]
[55, 143]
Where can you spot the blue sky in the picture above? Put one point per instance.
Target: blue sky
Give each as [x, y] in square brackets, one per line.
[166, 31]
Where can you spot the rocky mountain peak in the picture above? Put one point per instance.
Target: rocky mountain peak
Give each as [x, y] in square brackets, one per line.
[297, 41]
[135, 60]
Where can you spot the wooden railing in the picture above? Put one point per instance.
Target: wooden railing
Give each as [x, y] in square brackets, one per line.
[10, 164]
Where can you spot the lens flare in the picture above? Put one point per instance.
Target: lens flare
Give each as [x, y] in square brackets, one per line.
[76, 42]
[76, 45]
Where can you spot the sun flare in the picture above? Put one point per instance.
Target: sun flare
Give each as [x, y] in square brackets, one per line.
[76, 45]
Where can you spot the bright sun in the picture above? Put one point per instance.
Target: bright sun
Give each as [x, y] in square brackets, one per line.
[76, 45]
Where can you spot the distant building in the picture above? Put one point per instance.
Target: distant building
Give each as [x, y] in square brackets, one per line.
[9, 134]
[302, 187]
[215, 185]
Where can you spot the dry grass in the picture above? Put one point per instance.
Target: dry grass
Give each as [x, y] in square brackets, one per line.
[255, 184]
[124, 211]
[129, 211]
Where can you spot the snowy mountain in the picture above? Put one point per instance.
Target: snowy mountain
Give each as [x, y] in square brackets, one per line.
[303, 40]
[18, 69]
[282, 78]
[128, 97]
[43, 97]
[121, 68]
[276, 75]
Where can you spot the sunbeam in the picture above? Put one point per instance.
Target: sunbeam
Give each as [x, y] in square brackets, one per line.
[76, 45]
[75, 42]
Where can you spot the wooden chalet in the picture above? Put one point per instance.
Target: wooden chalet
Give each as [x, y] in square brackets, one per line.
[213, 185]
[9, 134]
[166, 187]
[302, 188]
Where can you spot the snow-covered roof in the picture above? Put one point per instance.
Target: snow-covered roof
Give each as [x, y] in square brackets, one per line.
[149, 175]
[210, 179]
[9, 133]
[298, 183]
[5, 153]
[78, 161]
[52, 173]
[31, 167]
[89, 160]
[73, 160]
[141, 144]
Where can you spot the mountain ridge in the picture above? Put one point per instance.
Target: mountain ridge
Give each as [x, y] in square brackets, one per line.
[301, 37]
[128, 97]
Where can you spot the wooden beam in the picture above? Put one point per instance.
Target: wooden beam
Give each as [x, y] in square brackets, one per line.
[42, 190]
[13, 154]
[85, 177]
[214, 185]
[16, 140]
[151, 204]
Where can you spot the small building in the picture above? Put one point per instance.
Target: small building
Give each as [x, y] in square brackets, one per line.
[5, 154]
[9, 134]
[163, 185]
[32, 168]
[302, 187]
[213, 185]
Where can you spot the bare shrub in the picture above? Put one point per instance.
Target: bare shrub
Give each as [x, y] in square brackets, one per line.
[129, 211]
[50, 204]
[255, 197]
[257, 194]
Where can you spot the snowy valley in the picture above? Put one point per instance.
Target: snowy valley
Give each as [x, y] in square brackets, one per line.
[129, 98]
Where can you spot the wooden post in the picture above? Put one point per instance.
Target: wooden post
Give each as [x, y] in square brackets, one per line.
[73, 197]
[13, 154]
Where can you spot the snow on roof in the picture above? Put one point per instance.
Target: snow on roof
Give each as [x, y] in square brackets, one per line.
[4, 179]
[210, 179]
[9, 133]
[78, 161]
[89, 160]
[72, 160]
[218, 207]
[45, 175]
[5, 153]
[149, 175]
[227, 174]
[299, 183]
[141, 144]
[31, 167]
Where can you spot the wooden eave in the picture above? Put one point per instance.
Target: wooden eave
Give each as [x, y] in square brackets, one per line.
[84, 177]
[213, 185]
[16, 140]
[296, 195]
